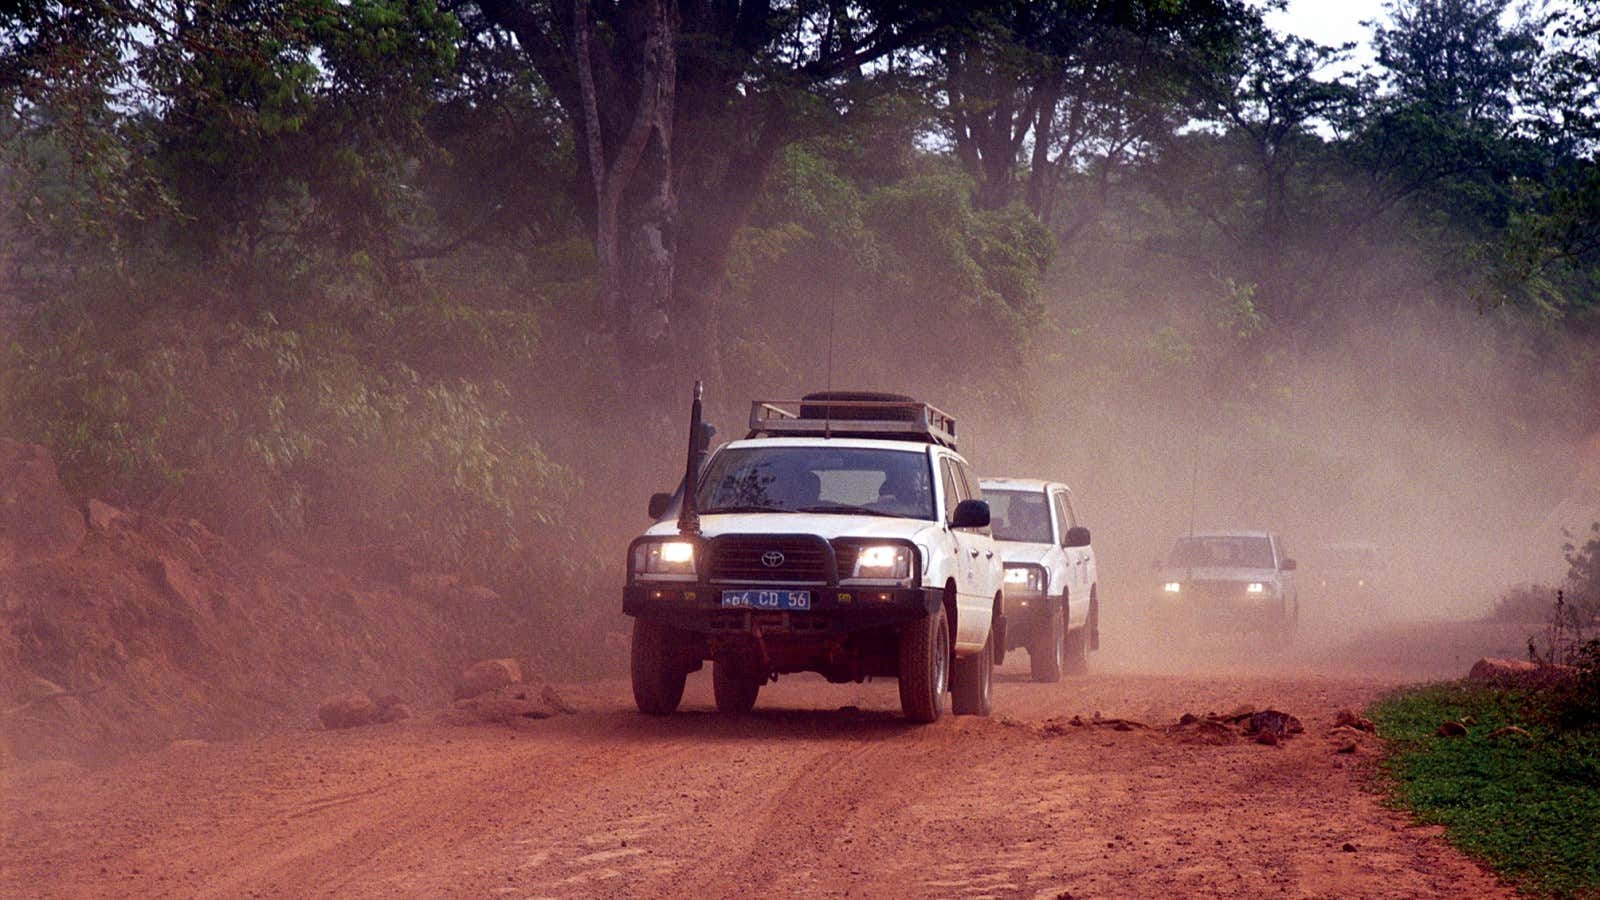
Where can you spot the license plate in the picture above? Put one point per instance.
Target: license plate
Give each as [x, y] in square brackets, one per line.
[766, 599]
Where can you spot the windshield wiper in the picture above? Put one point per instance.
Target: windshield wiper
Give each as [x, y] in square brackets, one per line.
[846, 509]
[747, 508]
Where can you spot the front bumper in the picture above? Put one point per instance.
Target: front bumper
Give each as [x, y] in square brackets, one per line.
[834, 612]
[1026, 614]
[1220, 617]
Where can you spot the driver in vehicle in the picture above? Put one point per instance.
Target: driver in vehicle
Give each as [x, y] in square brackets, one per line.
[902, 493]
[1027, 519]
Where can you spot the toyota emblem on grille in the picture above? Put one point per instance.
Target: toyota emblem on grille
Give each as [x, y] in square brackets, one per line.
[772, 559]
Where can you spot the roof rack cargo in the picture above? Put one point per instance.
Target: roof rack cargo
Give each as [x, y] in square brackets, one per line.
[843, 415]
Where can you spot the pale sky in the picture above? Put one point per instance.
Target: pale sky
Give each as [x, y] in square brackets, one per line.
[1328, 23]
[1331, 23]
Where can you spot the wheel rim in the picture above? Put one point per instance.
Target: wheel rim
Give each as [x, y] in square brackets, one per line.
[941, 660]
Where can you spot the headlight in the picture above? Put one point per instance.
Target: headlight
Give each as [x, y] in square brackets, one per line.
[1255, 587]
[883, 561]
[664, 560]
[1172, 587]
[1030, 579]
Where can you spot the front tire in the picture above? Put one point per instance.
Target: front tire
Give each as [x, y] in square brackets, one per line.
[1047, 652]
[657, 667]
[925, 667]
[735, 691]
[972, 689]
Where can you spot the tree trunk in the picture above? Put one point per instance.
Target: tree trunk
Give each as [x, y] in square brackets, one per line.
[631, 171]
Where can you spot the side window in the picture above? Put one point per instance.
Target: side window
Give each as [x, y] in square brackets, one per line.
[973, 492]
[1064, 517]
[953, 489]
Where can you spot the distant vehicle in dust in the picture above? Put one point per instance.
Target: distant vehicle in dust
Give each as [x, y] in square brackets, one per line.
[1052, 598]
[1348, 576]
[1228, 582]
[845, 536]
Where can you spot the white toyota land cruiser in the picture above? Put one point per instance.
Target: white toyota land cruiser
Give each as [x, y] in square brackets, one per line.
[846, 536]
[1052, 583]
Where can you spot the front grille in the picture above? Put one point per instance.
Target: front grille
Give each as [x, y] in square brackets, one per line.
[1220, 594]
[846, 555]
[747, 558]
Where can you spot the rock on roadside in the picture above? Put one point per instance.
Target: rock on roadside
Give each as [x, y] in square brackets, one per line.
[347, 711]
[103, 517]
[506, 704]
[485, 676]
[1518, 673]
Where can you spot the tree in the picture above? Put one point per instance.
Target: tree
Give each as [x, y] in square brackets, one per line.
[678, 109]
[1263, 100]
[1059, 81]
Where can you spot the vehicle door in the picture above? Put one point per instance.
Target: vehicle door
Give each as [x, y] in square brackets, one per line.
[1079, 560]
[991, 569]
[966, 548]
[1280, 556]
[1055, 560]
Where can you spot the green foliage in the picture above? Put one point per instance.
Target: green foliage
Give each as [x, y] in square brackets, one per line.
[1530, 807]
[1583, 569]
[262, 426]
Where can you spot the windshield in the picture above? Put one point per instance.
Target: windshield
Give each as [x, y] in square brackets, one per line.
[1236, 552]
[842, 480]
[1019, 516]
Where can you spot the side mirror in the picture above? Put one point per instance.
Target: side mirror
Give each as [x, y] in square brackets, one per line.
[1077, 536]
[1289, 565]
[970, 514]
[659, 504]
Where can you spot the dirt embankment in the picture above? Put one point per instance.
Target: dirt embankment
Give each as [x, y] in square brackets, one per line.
[123, 631]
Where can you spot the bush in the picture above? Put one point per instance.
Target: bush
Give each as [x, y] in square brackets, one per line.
[1575, 706]
[1523, 604]
[265, 428]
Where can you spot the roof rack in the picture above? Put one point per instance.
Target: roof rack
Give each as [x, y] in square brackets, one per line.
[900, 420]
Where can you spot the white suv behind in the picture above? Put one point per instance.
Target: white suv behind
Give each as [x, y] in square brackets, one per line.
[1052, 582]
[846, 536]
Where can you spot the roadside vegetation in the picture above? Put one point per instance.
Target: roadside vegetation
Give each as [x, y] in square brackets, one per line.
[1518, 783]
[1526, 804]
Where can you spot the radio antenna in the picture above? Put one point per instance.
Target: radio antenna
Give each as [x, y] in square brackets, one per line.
[688, 516]
[827, 409]
[1194, 468]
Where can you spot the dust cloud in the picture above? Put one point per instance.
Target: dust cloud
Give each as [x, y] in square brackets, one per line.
[1406, 435]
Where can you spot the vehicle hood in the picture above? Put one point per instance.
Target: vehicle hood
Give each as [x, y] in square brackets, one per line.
[1218, 573]
[822, 525]
[1020, 552]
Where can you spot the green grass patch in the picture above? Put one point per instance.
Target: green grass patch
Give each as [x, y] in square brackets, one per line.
[1528, 806]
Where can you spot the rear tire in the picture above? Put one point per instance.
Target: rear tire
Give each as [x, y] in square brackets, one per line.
[1047, 652]
[1289, 623]
[657, 668]
[924, 667]
[1077, 659]
[735, 691]
[972, 686]
[1094, 618]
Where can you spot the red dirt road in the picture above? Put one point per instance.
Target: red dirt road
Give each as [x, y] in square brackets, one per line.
[802, 798]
